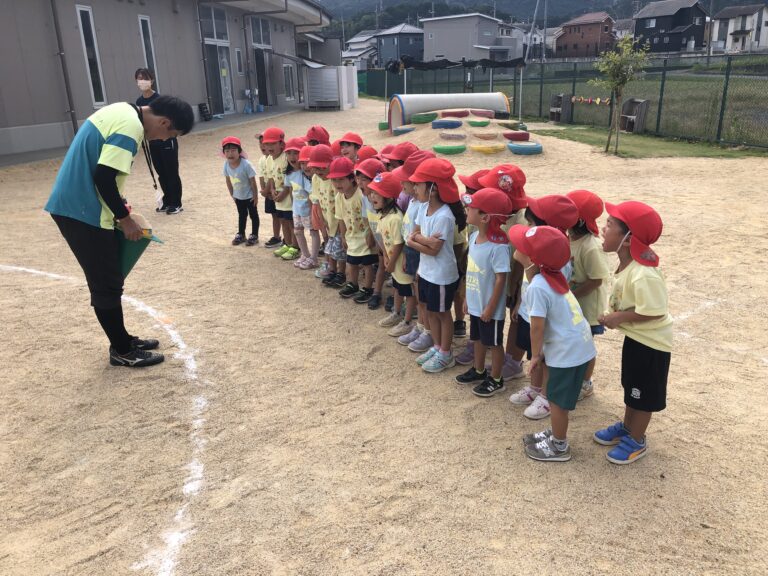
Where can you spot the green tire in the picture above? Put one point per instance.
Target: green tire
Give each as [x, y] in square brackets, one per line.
[383, 125]
[449, 149]
[478, 123]
[423, 118]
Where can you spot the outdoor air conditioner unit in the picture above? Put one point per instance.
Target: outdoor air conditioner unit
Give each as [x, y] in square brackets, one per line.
[331, 87]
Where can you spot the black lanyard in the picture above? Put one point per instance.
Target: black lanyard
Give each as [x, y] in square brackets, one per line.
[145, 147]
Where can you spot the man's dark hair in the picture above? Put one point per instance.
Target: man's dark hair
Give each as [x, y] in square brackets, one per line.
[143, 72]
[176, 110]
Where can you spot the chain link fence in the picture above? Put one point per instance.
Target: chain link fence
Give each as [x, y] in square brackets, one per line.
[717, 99]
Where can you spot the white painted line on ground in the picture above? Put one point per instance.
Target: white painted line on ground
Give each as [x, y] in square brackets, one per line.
[163, 561]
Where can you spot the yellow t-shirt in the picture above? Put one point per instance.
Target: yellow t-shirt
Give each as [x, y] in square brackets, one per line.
[261, 168]
[350, 210]
[589, 263]
[391, 230]
[326, 196]
[643, 289]
[276, 168]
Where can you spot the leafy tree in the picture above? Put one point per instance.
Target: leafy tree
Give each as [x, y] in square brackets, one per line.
[618, 68]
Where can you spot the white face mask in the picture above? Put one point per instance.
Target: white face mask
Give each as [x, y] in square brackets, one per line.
[144, 85]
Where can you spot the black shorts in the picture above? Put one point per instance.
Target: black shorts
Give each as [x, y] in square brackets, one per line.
[284, 214]
[489, 333]
[644, 372]
[269, 206]
[404, 290]
[365, 260]
[437, 297]
[597, 330]
[98, 253]
[412, 257]
[523, 337]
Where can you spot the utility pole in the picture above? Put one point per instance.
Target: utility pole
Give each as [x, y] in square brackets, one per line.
[711, 27]
[343, 37]
[494, 8]
[544, 41]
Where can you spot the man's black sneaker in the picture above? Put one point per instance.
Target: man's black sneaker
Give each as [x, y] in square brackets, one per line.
[273, 242]
[136, 358]
[349, 290]
[472, 375]
[374, 302]
[174, 210]
[390, 303]
[489, 387]
[459, 329]
[148, 344]
[364, 295]
[339, 280]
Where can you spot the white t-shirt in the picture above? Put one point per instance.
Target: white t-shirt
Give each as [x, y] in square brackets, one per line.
[442, 268]
[483, 263]
[567, 337]
[522, 310]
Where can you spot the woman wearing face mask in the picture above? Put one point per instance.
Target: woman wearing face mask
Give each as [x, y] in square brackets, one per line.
[165, 153]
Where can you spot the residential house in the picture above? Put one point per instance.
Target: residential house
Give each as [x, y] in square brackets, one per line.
[586, 36]
[471, 36]
[550, 39]
[70, 57]
[741, 28]
[624, 27]
[318, 48]
[361, 50]
[532, 43]
[398, 41]
[671, 25]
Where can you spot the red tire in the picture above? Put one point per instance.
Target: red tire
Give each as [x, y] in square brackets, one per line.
[454, 113]
[518, 136]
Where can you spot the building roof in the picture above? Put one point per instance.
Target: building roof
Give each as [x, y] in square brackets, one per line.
[623, 24]
[401, 29]
[736, 11]
[363, 35]
[589, 18]
[358, 52]
[470, 15]
[664, 8]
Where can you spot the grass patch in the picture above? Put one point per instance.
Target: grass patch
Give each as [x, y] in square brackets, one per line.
[646, 146]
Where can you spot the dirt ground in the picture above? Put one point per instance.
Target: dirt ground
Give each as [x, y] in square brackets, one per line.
[287, 434]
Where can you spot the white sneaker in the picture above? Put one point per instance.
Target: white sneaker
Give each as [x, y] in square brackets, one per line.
[587, 389]
[401, 329]
[538, 409]
[390, 320]
[524, 396]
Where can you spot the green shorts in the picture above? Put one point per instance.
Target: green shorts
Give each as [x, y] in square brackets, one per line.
[564, 385]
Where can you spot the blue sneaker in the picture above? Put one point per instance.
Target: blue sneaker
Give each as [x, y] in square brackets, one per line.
[627, 451]
[610, 436]
[423, 358]
[439, 362]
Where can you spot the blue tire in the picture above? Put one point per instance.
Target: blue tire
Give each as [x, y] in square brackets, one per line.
[525, 148]
[402, 130]
[438, 124]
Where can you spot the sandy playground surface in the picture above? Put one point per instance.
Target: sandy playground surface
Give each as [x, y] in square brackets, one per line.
[287, 434]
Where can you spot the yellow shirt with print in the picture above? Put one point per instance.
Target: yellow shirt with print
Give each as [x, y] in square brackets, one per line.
[589, 263]
[642, 289]
[350, 210]
[391, 230]
[326, 196]
[276, 168]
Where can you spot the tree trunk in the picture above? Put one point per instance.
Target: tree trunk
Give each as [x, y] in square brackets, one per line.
[610, 133]
[617, 110]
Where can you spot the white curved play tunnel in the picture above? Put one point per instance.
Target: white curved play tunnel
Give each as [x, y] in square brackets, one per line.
[403, 106]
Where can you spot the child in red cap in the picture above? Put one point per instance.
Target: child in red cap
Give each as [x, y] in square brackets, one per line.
[589, 282]
[559, 212]
[384, 190]
[365, 171]
[559, 333]
[316, 224]
[269, 203]
[353, 230]
[301, 188]
[241, 183]
[350, 143]
[317, 135]
[277, 164]
[639, 307]
[333, 274]
[486, 281]
[433, 237]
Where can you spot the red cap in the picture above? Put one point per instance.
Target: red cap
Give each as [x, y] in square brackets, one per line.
[549, 249]
[497, 205]
[439, 171]
[386, 184]
[232, 140]
[366, 152]
[509, 179]
[590, 208]
[409, 167]
[336, 147]
[272, 135]
[318, 133]
[295, 144]
[370, 167]
[321, 156]
[305, 153]
[352, 137]
[645, 226]
[401, 151]
[471, 181]
[341, 167]
[556, 210]
[384, 152]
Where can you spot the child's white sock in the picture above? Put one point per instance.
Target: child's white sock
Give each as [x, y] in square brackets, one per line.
[560, 445]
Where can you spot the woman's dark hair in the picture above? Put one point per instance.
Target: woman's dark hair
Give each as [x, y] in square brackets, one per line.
[581, 228]
[529, 215]
[459, 213]
[143, 72]
[176, 110]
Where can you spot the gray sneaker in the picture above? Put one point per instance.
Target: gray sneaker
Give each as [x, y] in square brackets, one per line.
[391, 320]
[401, 329]
[410, 337]
[423, 343]
[536, 437]
[545, 451]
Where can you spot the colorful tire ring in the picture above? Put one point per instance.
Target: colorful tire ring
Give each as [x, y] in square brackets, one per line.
[487, 148]
[511, 124]
[478, 123]
[483, 113]
[383, 126]
[453, 135]
[423, 118]
[449, 149]
[525, 148]
[454, 113]
[402, 130]
[518, 136]
[486, 135]
[437, 124]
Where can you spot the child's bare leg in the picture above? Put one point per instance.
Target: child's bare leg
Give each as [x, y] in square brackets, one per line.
[398, 302]
[458, 303]
[559, 421]
[537, 379]
[302, 241]
[446, 330]
[480, 351]
[341, 267]
[497, 360]
[378, 284]
[590, 369]
[315, 236]
[434, 326]
[288, 236]
[636, 421]
[332, 264]
[410, 307]
[275, 226]
[367, 276]
[512, 350]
